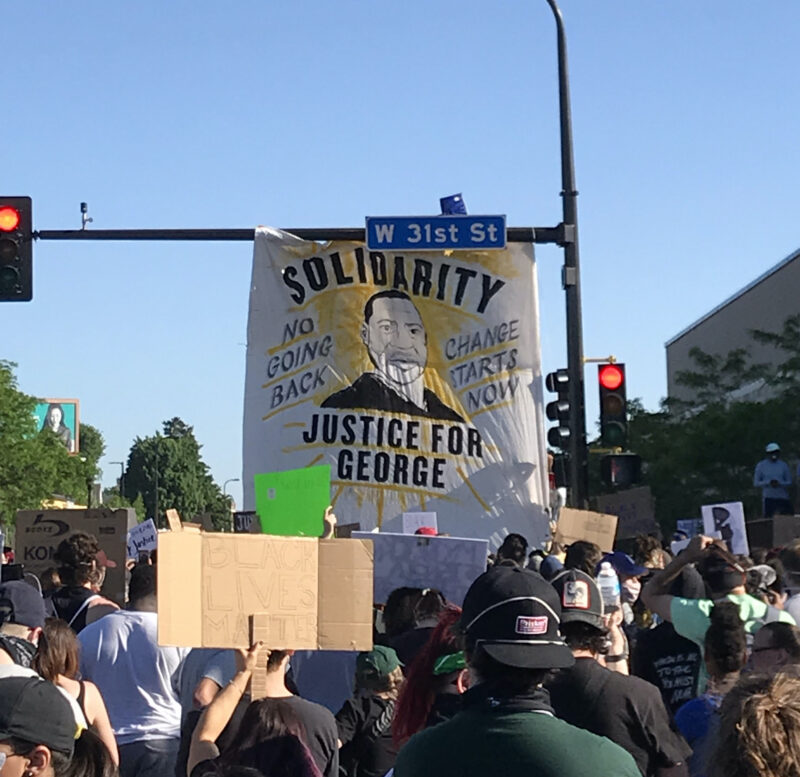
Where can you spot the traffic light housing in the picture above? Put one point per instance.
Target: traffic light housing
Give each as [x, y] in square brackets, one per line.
[16, 249]
[621, 470]
[558, 410]
[613, 405]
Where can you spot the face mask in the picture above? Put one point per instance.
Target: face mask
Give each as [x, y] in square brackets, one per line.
[630, 590]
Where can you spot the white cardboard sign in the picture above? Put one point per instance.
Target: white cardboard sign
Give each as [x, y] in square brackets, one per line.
[414, 521]
[142, 537]
[449, 564]
[726, 521]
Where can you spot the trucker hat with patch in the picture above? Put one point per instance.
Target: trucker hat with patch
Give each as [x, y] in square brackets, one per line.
[580, 598]
[514, 614]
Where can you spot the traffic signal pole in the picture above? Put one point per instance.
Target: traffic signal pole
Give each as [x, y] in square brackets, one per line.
[578, 455]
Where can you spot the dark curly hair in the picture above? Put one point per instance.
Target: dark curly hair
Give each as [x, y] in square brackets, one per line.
[583, 555]
[583, 636]
[76, 559]
[725, 642]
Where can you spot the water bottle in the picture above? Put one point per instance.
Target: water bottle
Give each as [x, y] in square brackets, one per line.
[608, 583]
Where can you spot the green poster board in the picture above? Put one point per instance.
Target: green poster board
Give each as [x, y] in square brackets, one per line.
[292, 503]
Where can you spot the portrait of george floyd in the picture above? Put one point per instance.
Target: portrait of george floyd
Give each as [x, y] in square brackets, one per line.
[61, 418]
[395, 338]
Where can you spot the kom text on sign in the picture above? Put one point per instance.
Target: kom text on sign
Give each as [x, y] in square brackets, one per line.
[434, 233]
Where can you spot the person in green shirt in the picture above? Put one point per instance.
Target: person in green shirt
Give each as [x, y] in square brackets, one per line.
[510, 625]
[725, 579]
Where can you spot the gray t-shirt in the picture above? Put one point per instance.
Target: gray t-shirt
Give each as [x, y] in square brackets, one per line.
[217, 665]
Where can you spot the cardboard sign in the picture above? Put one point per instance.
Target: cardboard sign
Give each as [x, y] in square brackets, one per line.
[259, 632]
[143, 537]
[726, 521]
[635, 509]
[174, 520]
[414, 521]
[450, 564]
[313, 594]
[576, 525]
[39, 533]
[292, 503]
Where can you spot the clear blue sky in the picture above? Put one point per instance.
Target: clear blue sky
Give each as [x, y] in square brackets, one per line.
[307, 113]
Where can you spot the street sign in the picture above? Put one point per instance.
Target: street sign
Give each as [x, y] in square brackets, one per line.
[435, 233]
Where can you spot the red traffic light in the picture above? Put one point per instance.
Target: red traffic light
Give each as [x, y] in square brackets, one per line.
[611, 377]
[9, 218]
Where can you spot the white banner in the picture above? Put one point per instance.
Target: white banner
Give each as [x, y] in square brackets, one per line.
[416, 376]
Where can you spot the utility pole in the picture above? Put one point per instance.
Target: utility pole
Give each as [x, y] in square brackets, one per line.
[570, 279]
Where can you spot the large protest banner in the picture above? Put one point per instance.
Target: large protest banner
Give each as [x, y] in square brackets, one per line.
[415, 375]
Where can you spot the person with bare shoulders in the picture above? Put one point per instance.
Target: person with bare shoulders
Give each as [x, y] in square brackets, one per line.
[82, 569]
[58, 660]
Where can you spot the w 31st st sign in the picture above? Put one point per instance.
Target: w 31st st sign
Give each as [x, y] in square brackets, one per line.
[435, 233]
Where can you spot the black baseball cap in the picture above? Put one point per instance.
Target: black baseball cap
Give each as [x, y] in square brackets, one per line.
[514, 614]
[21, 603]
[34, 710]
[580, 598]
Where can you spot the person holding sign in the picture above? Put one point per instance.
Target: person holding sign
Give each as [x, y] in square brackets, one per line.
[724, 577]
[277, 714]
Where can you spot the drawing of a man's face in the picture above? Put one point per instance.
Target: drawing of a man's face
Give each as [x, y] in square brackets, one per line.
[395, 338]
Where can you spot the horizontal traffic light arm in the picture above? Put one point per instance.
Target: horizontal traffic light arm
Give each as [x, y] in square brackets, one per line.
[540, 235]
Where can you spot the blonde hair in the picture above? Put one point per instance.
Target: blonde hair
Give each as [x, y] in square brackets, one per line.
[759, 732]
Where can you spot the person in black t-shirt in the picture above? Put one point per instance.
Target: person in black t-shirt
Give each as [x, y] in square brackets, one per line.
[665, 658]
[627, 710]
[365, 720]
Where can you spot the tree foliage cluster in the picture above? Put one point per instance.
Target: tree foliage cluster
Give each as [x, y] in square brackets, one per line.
[705, 450]
[35, 466]
[166, 470]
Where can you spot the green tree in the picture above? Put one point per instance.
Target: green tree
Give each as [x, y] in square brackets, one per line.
[166, 470]
[34, 466]
[82, 470]
[705, 450]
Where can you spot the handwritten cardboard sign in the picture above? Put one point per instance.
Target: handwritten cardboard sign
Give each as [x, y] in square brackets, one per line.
[142, 537]
[574, 525]
[312, 594]
[39, 533]
[450, 564]
[635, 509]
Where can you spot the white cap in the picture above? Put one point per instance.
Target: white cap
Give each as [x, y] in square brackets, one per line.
[773, 447]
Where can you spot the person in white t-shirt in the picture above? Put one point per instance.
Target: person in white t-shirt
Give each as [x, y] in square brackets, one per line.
[137, 678]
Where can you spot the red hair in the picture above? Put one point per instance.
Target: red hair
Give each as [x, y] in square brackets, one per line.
[419, 690]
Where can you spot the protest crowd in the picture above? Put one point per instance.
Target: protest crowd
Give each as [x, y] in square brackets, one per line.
[561, 661]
